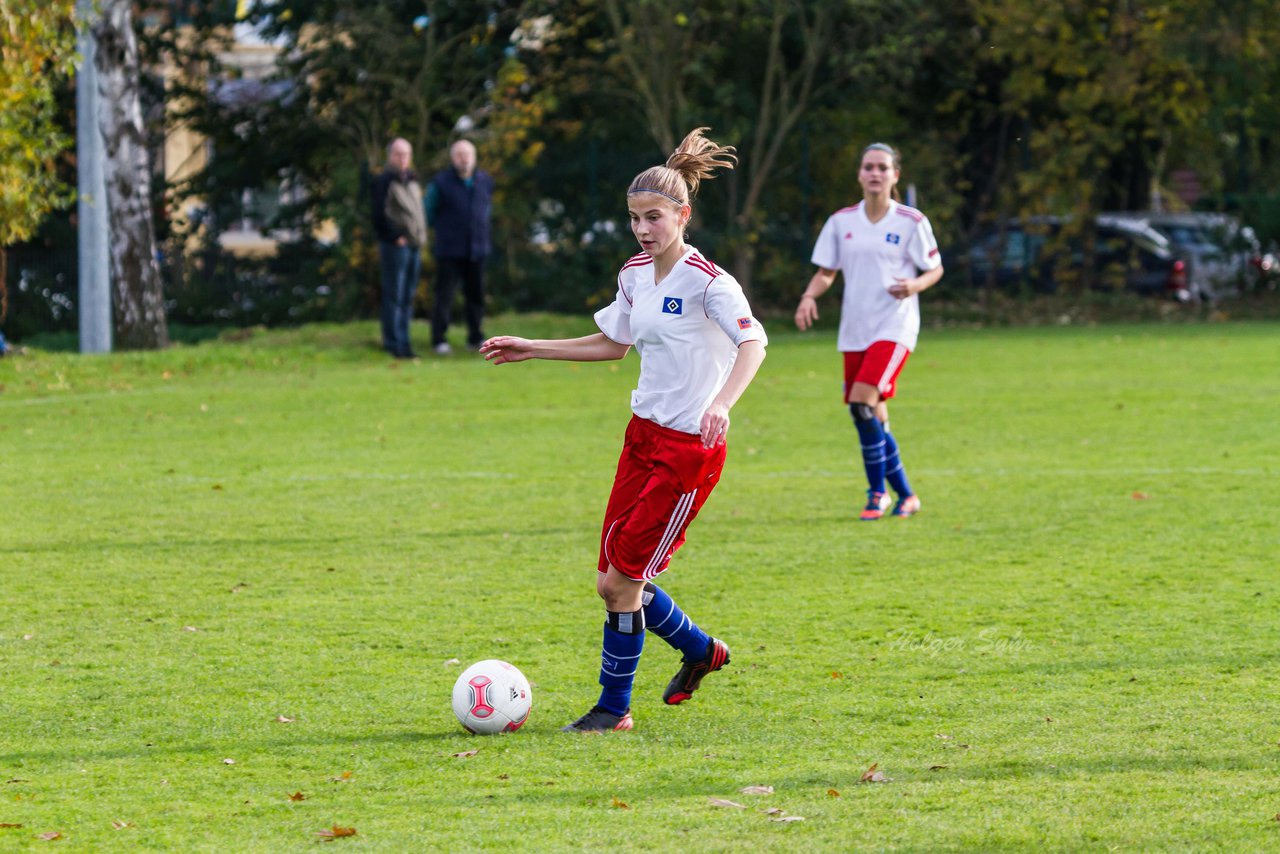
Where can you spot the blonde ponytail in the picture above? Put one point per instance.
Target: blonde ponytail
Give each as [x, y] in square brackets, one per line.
[694, 160]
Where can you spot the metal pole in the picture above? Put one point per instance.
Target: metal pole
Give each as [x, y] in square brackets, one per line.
[91, 207]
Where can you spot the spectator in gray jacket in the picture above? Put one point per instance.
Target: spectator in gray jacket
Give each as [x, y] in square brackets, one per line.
[401, 227]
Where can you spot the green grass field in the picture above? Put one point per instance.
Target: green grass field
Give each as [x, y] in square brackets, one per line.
[1073, 646]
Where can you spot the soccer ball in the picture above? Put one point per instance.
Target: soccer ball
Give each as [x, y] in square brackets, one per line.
[491, 697]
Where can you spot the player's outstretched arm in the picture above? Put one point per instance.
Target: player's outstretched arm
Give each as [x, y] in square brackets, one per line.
[591, 348]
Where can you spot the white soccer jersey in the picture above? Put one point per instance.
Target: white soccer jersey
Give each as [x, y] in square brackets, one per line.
[687, 330]
[871, 255]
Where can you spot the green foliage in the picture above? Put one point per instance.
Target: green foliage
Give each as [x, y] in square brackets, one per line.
[1070, 648]
[36, 52]
[1002, 108]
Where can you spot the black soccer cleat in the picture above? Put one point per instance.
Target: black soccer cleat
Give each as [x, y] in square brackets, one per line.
[684, 683]
[600, 720]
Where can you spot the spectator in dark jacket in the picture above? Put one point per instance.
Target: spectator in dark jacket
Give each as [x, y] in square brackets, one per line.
[459, 203]
[402, 231]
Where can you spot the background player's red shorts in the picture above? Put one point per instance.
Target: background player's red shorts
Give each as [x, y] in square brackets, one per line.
[878, 365]
[664, 477]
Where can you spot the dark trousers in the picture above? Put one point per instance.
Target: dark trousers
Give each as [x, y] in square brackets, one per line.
[400, 266]
[448, 272]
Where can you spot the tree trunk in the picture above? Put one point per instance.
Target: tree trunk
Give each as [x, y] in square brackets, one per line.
[135, 273]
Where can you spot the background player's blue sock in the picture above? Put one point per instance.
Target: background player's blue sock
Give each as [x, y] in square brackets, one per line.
[623, 641]
[871, 435]
[893, 470]
[663, 617]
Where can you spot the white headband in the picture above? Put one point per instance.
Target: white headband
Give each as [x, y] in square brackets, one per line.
[659, 192]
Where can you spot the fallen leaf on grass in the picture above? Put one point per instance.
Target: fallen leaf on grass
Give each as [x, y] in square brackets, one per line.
[942, 735]
[774, 811]
[620, 805]
[1277, 818]
[336, 832]
[836, 674]
[937, 767]
[757, 790]
[833, 793]
[871, 775]
[344, 777]
[721, 802]
[190, 629]
[1139, 496]
[297, 796]
[121, 825]
[466, 754]
[8, 824]
[228, 762]
[281, 719]
[785, 818]
[50, 836]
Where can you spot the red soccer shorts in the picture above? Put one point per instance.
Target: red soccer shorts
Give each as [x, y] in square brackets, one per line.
[664, 477]
[878, 365]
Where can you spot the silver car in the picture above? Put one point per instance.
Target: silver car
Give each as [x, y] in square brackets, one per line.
[1221, 253]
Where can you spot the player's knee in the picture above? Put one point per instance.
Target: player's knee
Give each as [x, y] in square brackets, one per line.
[862, 411]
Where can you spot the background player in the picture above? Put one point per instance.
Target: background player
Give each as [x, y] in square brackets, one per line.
[699, 349]
[888, 255]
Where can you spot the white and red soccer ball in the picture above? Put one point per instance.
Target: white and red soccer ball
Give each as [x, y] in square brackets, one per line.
[492, 696]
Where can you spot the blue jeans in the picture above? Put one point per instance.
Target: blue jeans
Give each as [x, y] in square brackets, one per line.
[400, 266]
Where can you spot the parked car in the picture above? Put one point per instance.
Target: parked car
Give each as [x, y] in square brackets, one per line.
[1223, 256]
[1037, 255]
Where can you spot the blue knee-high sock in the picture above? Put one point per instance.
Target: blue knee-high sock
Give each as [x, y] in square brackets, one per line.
[663, 617]
[623, 642]
[893, 469]
[871, 435]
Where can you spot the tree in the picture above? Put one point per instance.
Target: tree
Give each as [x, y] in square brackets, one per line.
[37, 50]
[138, 293]
[356, 75]
[787, 58]
[1233, 152]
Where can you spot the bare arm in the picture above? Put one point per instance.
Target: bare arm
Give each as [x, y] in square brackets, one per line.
[807, 311]
[903, 288]
[715, 421]
[591, 348]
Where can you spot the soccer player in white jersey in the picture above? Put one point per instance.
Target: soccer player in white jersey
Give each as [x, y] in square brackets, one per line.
[700, 346]
[888, 255]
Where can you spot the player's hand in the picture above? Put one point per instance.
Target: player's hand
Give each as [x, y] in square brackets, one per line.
[715, 426]
[806, 313]
[902, 288]
[506, 348]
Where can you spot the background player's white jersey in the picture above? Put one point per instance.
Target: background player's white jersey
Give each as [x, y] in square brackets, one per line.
[687, 330]
[871, 255]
